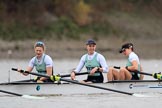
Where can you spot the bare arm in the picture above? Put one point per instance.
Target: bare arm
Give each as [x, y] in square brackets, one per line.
[141, 75]
[134, 66]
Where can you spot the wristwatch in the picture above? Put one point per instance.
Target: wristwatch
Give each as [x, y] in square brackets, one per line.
[127, 68]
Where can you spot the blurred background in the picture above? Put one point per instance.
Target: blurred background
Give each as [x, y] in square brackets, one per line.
[65, 25]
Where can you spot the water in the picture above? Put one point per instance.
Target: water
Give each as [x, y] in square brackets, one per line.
[115, 100]
[94, 101]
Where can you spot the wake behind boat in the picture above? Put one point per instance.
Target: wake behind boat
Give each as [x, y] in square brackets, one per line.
[64, 88]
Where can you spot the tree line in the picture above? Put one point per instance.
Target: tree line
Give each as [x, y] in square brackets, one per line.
[29, 19]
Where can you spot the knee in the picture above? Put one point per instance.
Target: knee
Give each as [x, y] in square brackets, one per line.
[111, 70]
[122, 69]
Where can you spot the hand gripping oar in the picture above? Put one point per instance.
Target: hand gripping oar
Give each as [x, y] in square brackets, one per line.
[58, 78]
[155, 75]
[21, 95]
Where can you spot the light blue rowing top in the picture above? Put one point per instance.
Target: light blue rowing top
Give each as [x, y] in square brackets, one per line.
[90, 64]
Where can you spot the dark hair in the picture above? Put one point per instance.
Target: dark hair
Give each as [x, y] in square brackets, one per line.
[125, 46]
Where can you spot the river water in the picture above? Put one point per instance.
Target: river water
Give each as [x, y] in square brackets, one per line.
[115, 100]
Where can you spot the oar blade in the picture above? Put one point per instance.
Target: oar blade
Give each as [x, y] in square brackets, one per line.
[141, 95]
[32, 97]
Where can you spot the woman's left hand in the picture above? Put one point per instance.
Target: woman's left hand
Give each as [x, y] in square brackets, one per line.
[93, 70]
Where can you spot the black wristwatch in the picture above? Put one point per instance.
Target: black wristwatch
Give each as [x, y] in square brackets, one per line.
[127, 68]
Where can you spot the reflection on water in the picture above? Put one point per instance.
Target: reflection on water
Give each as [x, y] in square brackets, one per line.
[96, 101]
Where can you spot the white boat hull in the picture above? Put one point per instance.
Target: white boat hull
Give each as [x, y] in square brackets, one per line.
[70, 89]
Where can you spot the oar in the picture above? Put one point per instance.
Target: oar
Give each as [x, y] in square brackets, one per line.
[68, 75]
[21, 95]
[57, 78]
[155, 75]
[33, 73]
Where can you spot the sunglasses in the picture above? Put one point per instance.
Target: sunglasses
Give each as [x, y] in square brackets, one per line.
[39, 44]
[125, 50]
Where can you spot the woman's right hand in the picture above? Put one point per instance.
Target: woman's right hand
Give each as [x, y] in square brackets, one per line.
[19, 70]
[72, 75]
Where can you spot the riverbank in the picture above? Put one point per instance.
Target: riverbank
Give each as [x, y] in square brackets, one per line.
[72, 49]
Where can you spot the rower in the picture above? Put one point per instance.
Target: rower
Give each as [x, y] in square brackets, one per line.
[41, 61]
[133, 64]
[94, 62]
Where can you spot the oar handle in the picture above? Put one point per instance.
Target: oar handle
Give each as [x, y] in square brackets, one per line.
[116, 67]
[14, 69]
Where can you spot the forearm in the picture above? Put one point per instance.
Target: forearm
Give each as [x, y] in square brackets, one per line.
[49, 70]
[132, 68]
[103, 63]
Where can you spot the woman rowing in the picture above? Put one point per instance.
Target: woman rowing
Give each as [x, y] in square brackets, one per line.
[128, 72]
[42, 62]
[94, 62]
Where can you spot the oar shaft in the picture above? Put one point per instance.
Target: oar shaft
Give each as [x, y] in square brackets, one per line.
[68, 75]
[144, 73]
[24, 96]
[16, 94]
[32, 73]
[41, 75]
[103, 88]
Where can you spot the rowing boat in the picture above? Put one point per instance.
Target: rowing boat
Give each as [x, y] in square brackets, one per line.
[64, 88]
[67, 86]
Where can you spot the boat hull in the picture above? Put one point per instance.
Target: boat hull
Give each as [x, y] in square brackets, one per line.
[51, 89]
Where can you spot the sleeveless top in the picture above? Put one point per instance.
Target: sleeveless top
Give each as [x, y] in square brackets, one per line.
[90, 64]
[41, 68]
[130, 64]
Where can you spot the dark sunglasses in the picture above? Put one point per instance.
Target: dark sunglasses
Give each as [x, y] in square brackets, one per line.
[39, 44]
